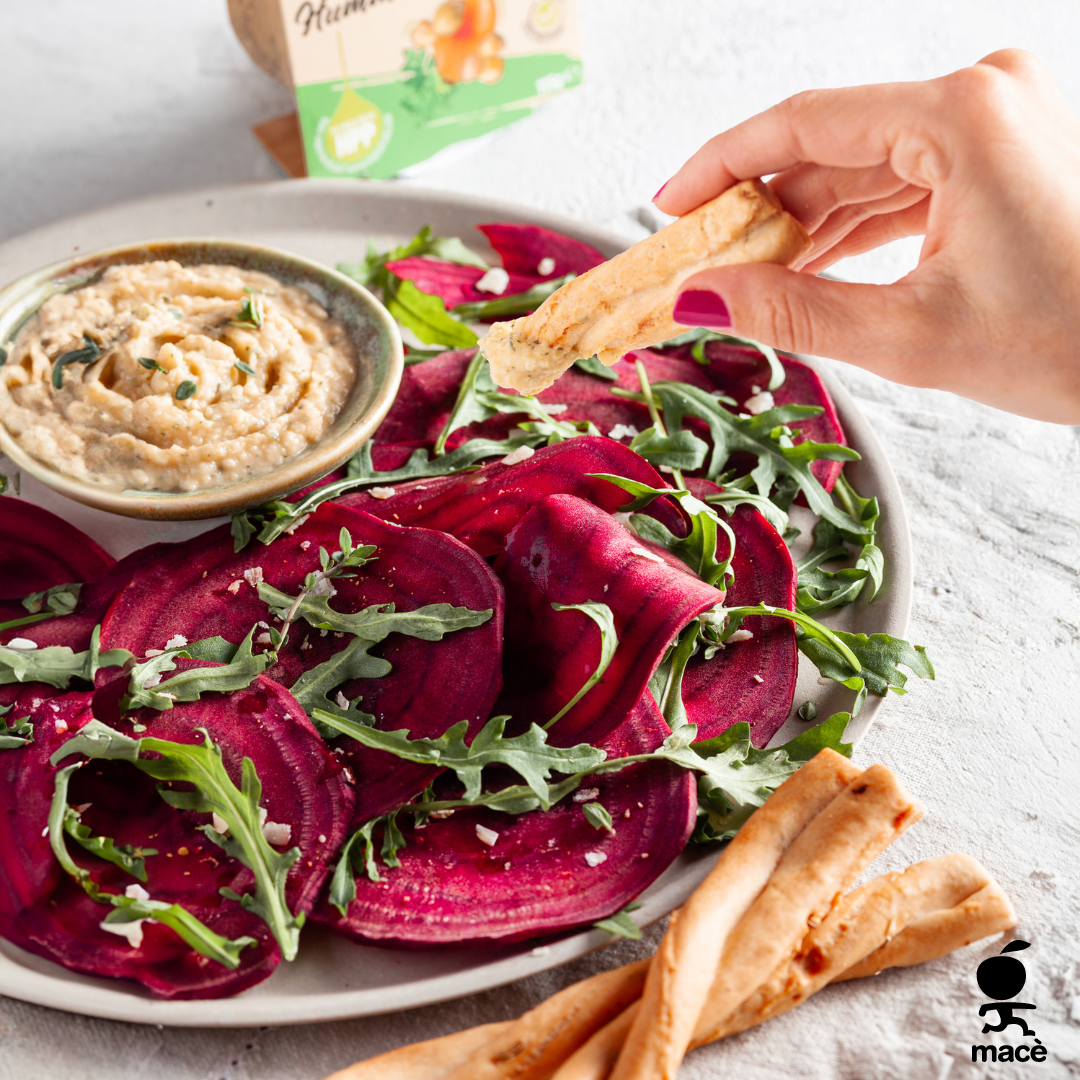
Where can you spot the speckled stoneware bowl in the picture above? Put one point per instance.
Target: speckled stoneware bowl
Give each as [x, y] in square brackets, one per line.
[373, 332]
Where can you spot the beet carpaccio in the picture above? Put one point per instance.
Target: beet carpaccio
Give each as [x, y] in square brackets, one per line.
[482, 687]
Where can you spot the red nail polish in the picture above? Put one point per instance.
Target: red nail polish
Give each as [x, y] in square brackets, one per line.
[702, 307]
[661, 191]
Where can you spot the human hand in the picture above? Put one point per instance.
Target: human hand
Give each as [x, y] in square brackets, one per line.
[985, 163]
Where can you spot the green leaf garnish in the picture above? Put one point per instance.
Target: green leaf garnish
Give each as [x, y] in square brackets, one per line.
[239, 668]
[151, 364]
[592, 366]
[47, 604]
[251, 313]
[244, 366]
[425, 314]
[609, 642]
[90, 352]
[127, 858]
[522, 303]
[680, 450]
[201, 765]
[372, 271]
[18, 733]
[597, 816]
[188, 388]
[620, 924]
[130, 909]
[57, 665]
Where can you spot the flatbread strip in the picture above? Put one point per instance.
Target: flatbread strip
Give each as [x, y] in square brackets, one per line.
[626, 302]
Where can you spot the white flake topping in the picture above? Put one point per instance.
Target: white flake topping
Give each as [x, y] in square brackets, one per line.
[322, 838]
[623, 431]
[758, 678]
[177, 641]
[219, 824]
[515, 457]
[22, 644]
[277, 833]
[439, 815]
[759, 403]
[545, 266]
[133, 931]
[595, 858]
[494, 281]
[136, 892]
[234, 588]
[305, 544]
[263, 639]
[342, 700]
[296, 525]
[554, 410]
[253, 576]
[61, 727]
[646, 554]
[741, 635]
[382, 492]
[486, 836]
[587, 794]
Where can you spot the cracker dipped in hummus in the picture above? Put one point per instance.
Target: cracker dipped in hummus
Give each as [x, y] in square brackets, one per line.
[162, 377]
[626, 302]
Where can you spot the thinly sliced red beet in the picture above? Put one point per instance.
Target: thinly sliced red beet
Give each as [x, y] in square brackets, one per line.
[43, 911]
[723, 691]
[39, 550]
[523, 247]
[481, 507]
[737, 371]
[433, 684]
[456, 284]
[568, 551]
[535, 879]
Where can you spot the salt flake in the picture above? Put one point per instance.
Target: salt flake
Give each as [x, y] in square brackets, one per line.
[253, 575]
[23, 644]
[545, 266]
[277, 833]
[486, 836]
[494, 281]
[759, 403]
[595, 858]
[515, 457]
[382, 492]
[623, 431]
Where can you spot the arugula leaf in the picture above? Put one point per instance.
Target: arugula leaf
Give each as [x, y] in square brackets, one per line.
[620, 924]
[19, 733]
[528, 755]
[131, 909]
[413, 355]
[879, 657]
[777, 374]
[58, 600]
[57, 665]
[480, 399]
[767, 437]
[237, 672]
[722, 809]
[609, 642]
[832, 641]
[343, 882]
[425, 314]
[202, 766]
[126, 857]
[373, 268]
[680, 450]
[666, 682]
[698, 548]
[592, 366]
[731, 498]
[597, 816]
[522, 303]
[312, 690]
[90, 352]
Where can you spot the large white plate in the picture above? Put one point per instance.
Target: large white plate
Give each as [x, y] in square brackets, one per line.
[333, 220]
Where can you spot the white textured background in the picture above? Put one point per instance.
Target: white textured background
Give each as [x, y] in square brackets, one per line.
[115, 99]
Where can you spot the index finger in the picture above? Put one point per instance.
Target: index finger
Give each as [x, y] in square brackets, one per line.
[854, 127]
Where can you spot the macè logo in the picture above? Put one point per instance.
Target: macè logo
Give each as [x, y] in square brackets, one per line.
[1002, 978]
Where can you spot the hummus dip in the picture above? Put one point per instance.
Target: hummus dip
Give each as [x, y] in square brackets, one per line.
[175, 378]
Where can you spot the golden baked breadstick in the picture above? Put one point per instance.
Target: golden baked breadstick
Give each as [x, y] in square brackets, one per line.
[535, 1045]
[626, 302]
[596, 1058]
[984, 913]
[683, 968]
[820, 865]
[428, 1060]
[860, 923]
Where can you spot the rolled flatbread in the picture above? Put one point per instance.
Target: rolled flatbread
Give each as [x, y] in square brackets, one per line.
[626, 303]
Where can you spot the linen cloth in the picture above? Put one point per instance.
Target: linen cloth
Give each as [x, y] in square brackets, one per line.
[119, 99]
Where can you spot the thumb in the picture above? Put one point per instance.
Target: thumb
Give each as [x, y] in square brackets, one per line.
[873, 326]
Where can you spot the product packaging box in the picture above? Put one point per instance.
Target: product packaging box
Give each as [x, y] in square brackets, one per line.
[382, 85]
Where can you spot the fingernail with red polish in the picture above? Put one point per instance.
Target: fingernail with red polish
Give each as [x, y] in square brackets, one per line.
[661, 191]
[702, 307]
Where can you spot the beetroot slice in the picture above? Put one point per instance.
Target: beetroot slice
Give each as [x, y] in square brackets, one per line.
[481, 507]
[723, 691]
[454, 283]
[535, 879]
[523, 247]
[43, 911]
[433, 684]
[568, 551]
[39, 550]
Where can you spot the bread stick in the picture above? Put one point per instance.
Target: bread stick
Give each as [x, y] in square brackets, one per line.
[535, 1045]
[428, 1060]
[626, 303]
[683, 968]
[596, 1058]
[984, 913]
[813, 874]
